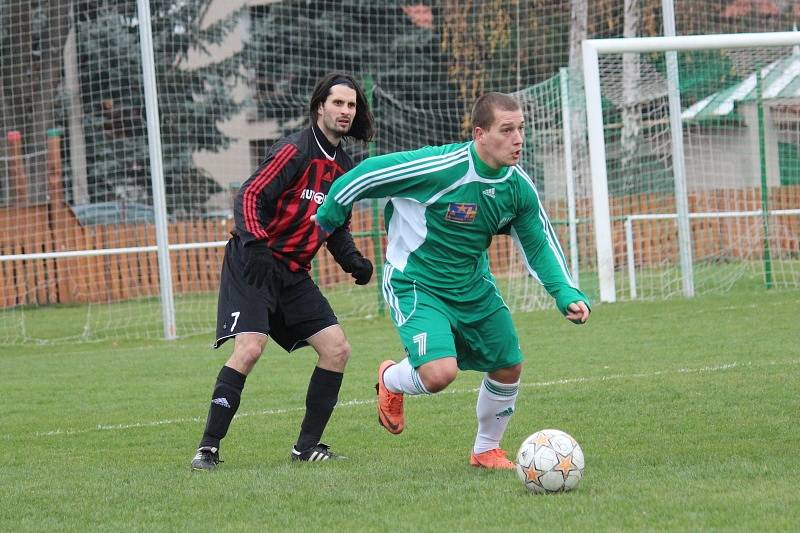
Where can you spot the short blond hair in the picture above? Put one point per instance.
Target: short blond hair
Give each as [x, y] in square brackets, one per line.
[485, 106]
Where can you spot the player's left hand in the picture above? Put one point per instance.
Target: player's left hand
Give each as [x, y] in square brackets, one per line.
[577, 312]
[360, 268]
[258, 263]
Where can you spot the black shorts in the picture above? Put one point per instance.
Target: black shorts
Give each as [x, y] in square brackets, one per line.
[300, 308]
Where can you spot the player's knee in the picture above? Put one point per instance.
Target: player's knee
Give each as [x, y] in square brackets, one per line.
[507, 375]
[438, 378]
[247, 351]
[337, 354]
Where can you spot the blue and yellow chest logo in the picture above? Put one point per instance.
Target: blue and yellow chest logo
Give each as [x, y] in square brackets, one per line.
[461, 213]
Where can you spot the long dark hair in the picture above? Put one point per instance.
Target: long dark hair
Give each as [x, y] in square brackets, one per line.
[363, 127]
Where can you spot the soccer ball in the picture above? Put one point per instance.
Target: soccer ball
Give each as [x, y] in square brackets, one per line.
[550, 461]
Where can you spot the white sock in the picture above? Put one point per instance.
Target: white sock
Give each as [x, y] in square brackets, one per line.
[494, 409]
[404, 378]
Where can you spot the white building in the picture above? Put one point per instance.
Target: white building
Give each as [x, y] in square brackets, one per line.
[251, 138]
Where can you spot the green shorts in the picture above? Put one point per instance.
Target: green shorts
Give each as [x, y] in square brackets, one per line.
[473, 325]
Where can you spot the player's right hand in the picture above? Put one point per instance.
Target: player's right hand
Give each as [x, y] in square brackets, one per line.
[578, 312]
[258, 263]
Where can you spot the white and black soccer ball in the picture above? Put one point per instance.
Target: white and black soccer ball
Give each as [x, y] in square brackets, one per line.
[550, 461]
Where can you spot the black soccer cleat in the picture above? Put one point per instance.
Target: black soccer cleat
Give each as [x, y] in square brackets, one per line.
[206, 459]
[320, 452]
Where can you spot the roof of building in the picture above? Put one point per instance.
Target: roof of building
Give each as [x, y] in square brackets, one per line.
[780, 79]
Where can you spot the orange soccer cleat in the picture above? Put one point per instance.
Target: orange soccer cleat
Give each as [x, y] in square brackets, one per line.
[494, 459]
[390, 404]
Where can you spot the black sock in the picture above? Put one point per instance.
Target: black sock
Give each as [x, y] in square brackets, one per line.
[224, 403]
[323, 393]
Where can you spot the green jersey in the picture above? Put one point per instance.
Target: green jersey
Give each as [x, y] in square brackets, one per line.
[445, 206]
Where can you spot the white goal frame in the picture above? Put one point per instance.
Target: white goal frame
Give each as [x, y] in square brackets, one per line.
[592, 48]
[629, 235]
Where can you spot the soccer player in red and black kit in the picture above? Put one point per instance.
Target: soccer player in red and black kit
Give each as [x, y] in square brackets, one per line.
[265, 286]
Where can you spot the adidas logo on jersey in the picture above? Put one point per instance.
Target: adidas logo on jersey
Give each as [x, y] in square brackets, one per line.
[221, 401]
[489, 192]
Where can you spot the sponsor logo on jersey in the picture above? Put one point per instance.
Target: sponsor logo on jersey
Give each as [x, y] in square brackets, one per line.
[489, 192]
[309, 194]
[461, 213]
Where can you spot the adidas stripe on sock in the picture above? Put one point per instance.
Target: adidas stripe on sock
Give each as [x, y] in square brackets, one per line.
[494, 408]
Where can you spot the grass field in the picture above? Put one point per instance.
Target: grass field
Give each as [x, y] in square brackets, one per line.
[687, 411]
[141, 318]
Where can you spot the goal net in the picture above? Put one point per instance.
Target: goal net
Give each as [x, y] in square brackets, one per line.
[737, 170]
[78, 232]
[78, 255]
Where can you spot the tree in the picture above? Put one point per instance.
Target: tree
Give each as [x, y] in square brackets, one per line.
[31, 46]
[474, 34]
[191, 101]
[631, 106]
[502, 45]
[397, 52]
[579, 15]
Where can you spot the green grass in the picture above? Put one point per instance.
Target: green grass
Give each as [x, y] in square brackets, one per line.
[141, 318]
[686, 411]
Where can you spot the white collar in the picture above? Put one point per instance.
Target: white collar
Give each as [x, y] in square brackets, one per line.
[329, 157]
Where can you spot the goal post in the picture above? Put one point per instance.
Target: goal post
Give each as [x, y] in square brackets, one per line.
[592, 50]
[156, 170]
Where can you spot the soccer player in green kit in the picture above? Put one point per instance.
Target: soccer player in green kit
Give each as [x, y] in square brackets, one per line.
[445, 205]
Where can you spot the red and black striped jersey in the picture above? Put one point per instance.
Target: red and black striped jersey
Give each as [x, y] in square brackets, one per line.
[276, 201]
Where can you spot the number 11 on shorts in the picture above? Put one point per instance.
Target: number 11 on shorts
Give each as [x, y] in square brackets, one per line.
[421, 340]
